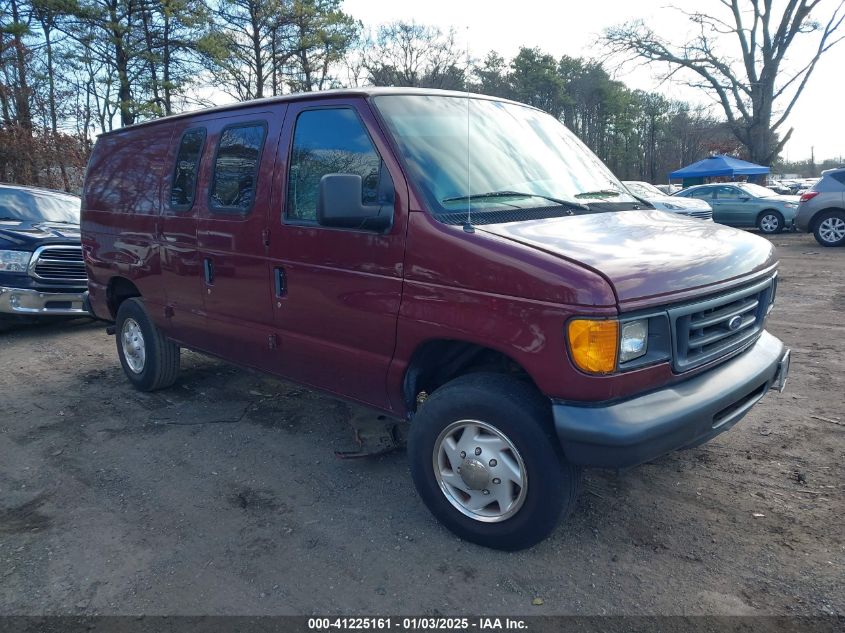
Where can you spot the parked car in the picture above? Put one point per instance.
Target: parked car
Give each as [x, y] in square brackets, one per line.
[822, 209]
[42, 274]
[692, 207]
[514, 303]
[779, 188]
[745, 204]
[668, 189]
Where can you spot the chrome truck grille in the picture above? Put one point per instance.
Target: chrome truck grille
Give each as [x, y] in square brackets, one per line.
[708, 330]
[58, 263]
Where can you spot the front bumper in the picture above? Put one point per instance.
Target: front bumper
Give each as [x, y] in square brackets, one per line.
[34, 303]
[634, 431]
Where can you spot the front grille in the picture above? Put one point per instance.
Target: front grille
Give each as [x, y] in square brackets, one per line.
[701, 215]
[708, 330]
[59, 263]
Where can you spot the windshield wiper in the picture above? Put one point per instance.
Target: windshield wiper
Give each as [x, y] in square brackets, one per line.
[600, 193]
[568, 204]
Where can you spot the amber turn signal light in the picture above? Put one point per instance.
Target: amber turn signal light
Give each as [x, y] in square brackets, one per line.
[594, 345]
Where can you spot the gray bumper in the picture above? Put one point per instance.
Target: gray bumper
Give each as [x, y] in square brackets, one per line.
[34, 303]
[634, 431]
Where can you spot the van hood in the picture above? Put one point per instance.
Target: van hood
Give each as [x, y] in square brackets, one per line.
[646, 254]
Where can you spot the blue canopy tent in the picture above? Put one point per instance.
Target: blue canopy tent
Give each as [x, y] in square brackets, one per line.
[716, 166]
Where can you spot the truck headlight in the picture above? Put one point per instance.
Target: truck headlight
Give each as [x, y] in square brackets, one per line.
[633, 340]
[601, 346]
[14, 261]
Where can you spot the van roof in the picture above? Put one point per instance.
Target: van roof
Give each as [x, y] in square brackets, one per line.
[302, 96]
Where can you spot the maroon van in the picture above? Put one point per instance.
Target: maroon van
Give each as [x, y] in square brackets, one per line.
[457, 261]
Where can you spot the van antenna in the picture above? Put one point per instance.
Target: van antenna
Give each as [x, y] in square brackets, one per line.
[468, 225]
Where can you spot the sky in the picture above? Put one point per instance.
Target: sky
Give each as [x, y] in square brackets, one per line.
[562, 27]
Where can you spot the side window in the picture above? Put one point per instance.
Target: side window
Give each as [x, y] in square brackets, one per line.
[184, 186]
[839, 176]
[331, 141]
[235, 176]
[724, 192]
[701, 193]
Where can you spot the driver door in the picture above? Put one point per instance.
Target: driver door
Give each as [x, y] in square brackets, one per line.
[336, 291]
[733, 206]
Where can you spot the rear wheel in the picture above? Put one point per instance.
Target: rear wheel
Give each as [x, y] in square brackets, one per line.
[486, 462]
[770, 222]
[149, 359]
[830, 228]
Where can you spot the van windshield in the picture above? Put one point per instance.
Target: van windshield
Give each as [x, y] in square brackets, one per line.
[518, 158]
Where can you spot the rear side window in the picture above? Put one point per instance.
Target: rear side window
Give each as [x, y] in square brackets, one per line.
[184, 186]
[331, 141]
[236, 164]
[727, 192]
[839, 176]
[700, 193]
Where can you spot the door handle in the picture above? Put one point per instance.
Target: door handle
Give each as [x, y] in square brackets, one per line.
[208, 268]
[280, 280]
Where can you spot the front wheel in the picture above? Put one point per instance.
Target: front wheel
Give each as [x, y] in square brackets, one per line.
[150, 361]
[830, 229]
[770, 222]
[486, 462]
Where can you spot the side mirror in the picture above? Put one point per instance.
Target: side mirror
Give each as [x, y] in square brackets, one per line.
[339, 205]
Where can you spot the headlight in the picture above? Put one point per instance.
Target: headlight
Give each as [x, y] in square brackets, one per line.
[633, 341]
[596, 345]
[673, 207]
[14, 261]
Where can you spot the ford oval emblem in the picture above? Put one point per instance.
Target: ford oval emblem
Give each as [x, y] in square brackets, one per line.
[734, 323]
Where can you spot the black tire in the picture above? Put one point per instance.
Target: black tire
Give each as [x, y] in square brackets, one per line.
[516, 410]
[769, 227]
[160, 366]
[828, 217]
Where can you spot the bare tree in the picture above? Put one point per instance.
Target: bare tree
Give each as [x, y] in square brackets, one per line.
[410, 54]
[751, 83]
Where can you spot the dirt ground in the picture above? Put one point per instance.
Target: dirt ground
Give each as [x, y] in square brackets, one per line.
[222, 495]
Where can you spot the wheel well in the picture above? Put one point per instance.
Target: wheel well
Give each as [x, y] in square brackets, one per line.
[435, 363]
[820, 214]
[119, 290]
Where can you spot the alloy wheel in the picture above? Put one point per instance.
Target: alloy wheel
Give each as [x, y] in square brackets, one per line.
[832, 229]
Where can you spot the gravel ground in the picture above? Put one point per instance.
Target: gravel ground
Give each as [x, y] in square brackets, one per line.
[222, 495]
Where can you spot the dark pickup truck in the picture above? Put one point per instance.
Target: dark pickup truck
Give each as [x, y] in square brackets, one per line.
[42, 274]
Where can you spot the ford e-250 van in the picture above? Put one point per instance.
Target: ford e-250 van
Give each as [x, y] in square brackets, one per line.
[460, 262]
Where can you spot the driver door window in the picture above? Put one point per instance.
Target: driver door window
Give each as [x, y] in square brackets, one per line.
[703, 194]
[331, 141]
[727, 193]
